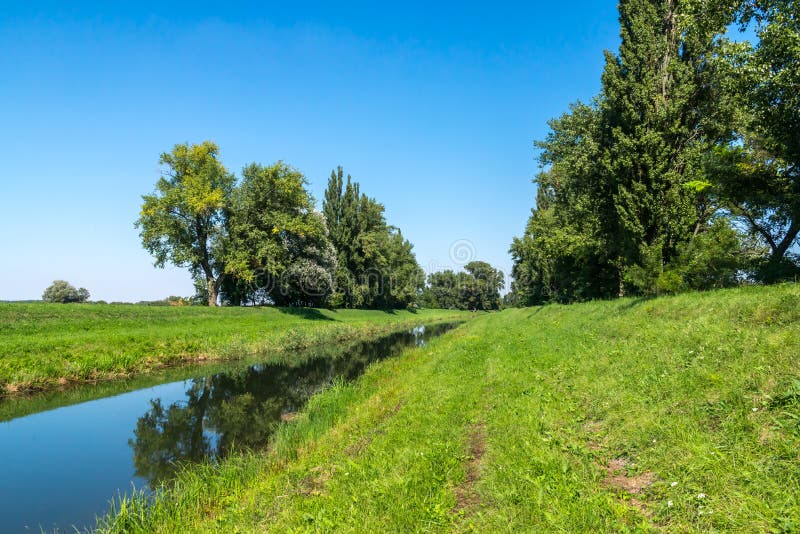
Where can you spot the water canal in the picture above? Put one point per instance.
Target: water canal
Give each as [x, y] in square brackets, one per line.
[63, 458]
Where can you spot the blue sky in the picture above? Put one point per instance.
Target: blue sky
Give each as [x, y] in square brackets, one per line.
[433, 108]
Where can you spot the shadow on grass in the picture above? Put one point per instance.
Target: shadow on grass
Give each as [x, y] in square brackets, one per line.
[393, 311]
[634, 302]
[536, 312]
[312, 314]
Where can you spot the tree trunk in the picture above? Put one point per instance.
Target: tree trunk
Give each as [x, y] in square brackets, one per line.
[779, 251]
[212, 291]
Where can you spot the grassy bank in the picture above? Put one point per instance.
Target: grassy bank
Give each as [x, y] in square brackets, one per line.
[46, 345]
[676, 414]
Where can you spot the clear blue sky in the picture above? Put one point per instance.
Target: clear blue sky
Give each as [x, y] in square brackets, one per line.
[432, 107]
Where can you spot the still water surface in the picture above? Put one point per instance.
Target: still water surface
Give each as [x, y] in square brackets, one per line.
[59, 468]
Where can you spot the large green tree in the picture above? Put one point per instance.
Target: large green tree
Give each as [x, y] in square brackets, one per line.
[618, 192]
[184, 221]
[756, 174]
[376, 266]
[565, 253]
[482, 284]
[64, 292]
[278, 242]
[658, 105]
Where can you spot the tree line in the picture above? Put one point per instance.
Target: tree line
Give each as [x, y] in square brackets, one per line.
[684, 172]
[258, 239]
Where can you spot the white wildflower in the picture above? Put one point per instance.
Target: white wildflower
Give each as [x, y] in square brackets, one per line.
[674, 484]
[701, 495]
[670, 504]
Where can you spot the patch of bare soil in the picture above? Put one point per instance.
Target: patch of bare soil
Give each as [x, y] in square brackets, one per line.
[314, 483]
[466, 497]
[617, 478]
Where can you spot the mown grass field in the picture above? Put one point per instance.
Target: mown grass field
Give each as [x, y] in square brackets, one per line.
[679, 414]
[46, 345]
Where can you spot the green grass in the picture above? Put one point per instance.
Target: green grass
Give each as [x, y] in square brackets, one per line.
[46, 345]
[510, 423]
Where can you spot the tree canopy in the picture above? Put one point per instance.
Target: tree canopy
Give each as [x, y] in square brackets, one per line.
[680, 173]
[184, 221]
[259, 239]
[63, 292]
[477, 287]
[376, 265]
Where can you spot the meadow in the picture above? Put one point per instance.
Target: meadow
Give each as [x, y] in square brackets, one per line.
[677, 414]
[43, 346]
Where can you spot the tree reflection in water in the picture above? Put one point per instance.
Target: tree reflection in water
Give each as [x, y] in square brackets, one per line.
[242, 408]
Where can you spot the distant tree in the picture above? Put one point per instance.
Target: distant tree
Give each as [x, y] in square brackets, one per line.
[481, 286]
[442, 291]
[63, 292]
[184, 221]
[476, 288]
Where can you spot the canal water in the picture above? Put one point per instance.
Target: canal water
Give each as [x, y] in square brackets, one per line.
[63, 458]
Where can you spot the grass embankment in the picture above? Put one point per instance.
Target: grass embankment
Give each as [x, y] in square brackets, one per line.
[677, 414]
[46, 345]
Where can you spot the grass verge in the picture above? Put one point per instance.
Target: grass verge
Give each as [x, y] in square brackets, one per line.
[677, 414]
[43, 346]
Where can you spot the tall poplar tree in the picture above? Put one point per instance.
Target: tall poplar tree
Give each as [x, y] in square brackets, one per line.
[376, 267]
[620, 176]
[657, 107]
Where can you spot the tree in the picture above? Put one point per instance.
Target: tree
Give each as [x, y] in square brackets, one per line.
[278, 243]
[657, 106]
[757, 173]
[184, 222]
[481, 286]
[476, 288]
[63, 292]
[405, 279]
[566, 252]
[309, 277]
[614, 196]
[376, 267]
[442, 291]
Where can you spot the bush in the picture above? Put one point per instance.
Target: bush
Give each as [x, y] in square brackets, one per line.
[715, 258]
[63, 292]
[720, 256]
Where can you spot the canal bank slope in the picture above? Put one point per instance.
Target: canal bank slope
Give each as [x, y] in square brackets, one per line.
[677, 413]
[44, 346]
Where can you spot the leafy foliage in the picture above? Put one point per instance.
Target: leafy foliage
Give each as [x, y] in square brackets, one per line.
[184, 221]
[279, 246]
[688, 130]
[757, 175]
[260, 240]
[376, 266]
[476, 288]
[63, 292]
